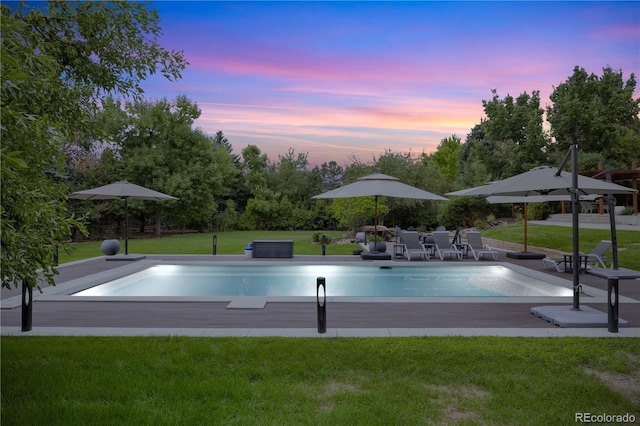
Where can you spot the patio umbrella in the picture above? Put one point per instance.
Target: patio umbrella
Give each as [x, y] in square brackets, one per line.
[123, 190]
[379, 185]
[545, 180]
[499, 199]
[552, 181]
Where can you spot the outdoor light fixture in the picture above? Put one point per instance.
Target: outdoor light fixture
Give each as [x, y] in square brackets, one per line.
[321, 298]
[612, 300]
[27, 308]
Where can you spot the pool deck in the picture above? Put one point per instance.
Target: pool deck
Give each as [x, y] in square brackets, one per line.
[510, 317]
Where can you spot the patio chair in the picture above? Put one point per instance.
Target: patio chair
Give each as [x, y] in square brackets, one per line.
[412, 245]
[477, 248]
[444, 247]
[596, 256]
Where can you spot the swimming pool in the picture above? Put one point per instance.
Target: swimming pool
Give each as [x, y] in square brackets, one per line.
[292, 280]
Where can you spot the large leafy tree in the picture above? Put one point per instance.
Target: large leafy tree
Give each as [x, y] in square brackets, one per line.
[472, 171]
[58, 61]
[514, 132]
[161, 150]
[598, 113]
[291, 176]
[445, 157]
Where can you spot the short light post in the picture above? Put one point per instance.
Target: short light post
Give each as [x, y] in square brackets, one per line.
[321, 299]
[214, 247]
[612, 311]
[27, 309]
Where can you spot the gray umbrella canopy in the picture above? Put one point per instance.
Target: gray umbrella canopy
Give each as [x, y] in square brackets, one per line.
[544, 180]
[123, 190]
[379, 185]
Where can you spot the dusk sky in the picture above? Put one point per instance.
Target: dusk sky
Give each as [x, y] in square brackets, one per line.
[343, 79]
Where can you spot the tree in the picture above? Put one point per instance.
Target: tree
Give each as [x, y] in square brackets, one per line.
[445, 157]
[268, 210]
[330, 175]
[599, 114]
[58, 61]
[291, 177]
[472, 170]
[514, 132]
[254, 168]
[161, 150]
[352, 213]
[221, 140]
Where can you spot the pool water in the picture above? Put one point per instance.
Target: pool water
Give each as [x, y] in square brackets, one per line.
[341, 280]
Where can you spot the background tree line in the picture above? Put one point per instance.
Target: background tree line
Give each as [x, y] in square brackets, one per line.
[74, 116]
[155, 144]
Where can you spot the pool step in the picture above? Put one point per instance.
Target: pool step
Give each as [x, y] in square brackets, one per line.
[248, 302]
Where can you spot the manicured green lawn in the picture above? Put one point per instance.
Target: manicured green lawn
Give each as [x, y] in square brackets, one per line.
[340, 381]
[554, 237]
[561, 238]
[227, 243]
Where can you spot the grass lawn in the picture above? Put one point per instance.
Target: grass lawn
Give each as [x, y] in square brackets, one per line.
[561, 238]
[227, 243]
[364, 381]
[333, 381]
[554, 237]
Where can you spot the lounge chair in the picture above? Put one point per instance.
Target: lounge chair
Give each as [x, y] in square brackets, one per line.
[444, 247]
[553, 263]
[596, 256]
[412, 246]
[477, 248]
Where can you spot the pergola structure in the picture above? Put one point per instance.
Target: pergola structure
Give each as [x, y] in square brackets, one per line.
[621, 177]
[628, 178]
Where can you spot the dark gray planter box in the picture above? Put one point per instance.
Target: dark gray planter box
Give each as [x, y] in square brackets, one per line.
[273, 248]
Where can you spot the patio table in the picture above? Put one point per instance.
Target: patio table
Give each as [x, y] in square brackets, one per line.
[568, 263]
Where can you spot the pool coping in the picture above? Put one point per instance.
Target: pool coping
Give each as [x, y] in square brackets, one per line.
[63, 291]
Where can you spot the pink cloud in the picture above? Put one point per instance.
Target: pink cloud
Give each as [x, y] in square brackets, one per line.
[385, 79]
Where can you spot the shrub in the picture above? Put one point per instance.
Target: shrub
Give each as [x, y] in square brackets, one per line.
[481, 224]
[462, 212]
[538, 211]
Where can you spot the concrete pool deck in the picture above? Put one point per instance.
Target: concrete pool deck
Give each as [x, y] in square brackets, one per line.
[299, 319]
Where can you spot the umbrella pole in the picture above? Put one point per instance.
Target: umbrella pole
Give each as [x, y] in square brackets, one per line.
[576, 230]
[525, 227]
[375, 224]
[126, 226]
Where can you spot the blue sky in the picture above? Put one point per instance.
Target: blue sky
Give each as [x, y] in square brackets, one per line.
[344, 79]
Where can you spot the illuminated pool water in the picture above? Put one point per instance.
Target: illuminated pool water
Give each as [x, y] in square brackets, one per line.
[341, 280]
